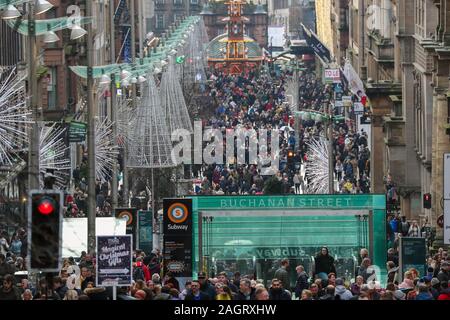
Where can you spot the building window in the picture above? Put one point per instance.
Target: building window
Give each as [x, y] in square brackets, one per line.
[420, 18]
[177, 16]
[178, 2]
[159, 1]
[159, 21]
[52, 94]
[194, 1]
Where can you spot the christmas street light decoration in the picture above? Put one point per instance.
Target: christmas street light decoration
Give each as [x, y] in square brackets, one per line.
[106, 150]
[54, 155]
[14, 115]
[317, 167]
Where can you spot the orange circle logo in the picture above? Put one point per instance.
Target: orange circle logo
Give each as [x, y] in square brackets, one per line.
[177, 213]
[128, 216]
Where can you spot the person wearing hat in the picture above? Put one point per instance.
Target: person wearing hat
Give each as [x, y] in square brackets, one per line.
[205, 286]
[435, 287]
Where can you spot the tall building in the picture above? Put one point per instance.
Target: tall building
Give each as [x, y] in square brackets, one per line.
[291, 13]
[11, 45]
[401, 51]
[323, 23]
[168, 11]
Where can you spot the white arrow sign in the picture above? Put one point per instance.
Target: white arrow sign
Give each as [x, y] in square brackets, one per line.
[114, 271]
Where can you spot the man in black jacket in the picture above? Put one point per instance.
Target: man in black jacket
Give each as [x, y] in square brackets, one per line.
[302, 281]
[195, 294]
[246, 292]
[283, 275]
[205, 286]
[277, 292]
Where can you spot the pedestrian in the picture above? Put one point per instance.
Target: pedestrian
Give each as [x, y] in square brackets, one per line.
[8, 291]
[276, 291]
[324, 264]
[283, 275]
[302, 281]
[342, 291]
[414, 230]
[246, 292]
[262, 294]
[195, 294]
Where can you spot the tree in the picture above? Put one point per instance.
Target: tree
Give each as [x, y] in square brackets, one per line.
[273, 186]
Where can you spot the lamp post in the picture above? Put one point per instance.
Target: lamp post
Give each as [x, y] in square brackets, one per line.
[114, 184]
[330, 150]
[33, 153]
[90, 136]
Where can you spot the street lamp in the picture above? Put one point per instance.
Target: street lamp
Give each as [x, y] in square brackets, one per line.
[50, 36]
[42, 6]
[77, 32]
[10, 12]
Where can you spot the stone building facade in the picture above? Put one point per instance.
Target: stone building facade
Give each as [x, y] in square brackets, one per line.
[401, 50]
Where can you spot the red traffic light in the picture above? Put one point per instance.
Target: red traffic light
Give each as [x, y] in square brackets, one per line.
[46, 207]
[427, 197]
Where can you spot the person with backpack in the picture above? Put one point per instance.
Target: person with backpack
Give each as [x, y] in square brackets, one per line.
[140, 271]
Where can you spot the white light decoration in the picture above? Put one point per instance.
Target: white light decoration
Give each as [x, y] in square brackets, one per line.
[173, 102]
[106, 150]
[151, 144]
[54, 157]
[317, 167]
[15, 116]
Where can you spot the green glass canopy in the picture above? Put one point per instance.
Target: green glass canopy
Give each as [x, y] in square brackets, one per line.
[172, 42]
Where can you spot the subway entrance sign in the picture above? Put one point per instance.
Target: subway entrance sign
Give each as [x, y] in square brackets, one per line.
[251, 234]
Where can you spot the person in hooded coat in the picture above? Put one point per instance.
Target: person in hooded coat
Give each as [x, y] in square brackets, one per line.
[324, 264]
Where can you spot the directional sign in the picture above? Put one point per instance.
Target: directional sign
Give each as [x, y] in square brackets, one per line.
[114, 260]
[77, 131]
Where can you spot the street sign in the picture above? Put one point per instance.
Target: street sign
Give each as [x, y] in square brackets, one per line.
[446, 221]
[332, 76]
[77, 131]
[114, 261]
[347, 100]
[412, 255]
[447, 176]
[145, 234]
[178, 243]
[130, 216]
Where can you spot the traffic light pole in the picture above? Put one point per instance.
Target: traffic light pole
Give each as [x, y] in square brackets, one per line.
[91, 136]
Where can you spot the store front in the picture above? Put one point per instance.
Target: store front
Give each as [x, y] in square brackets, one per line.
[251, 234]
